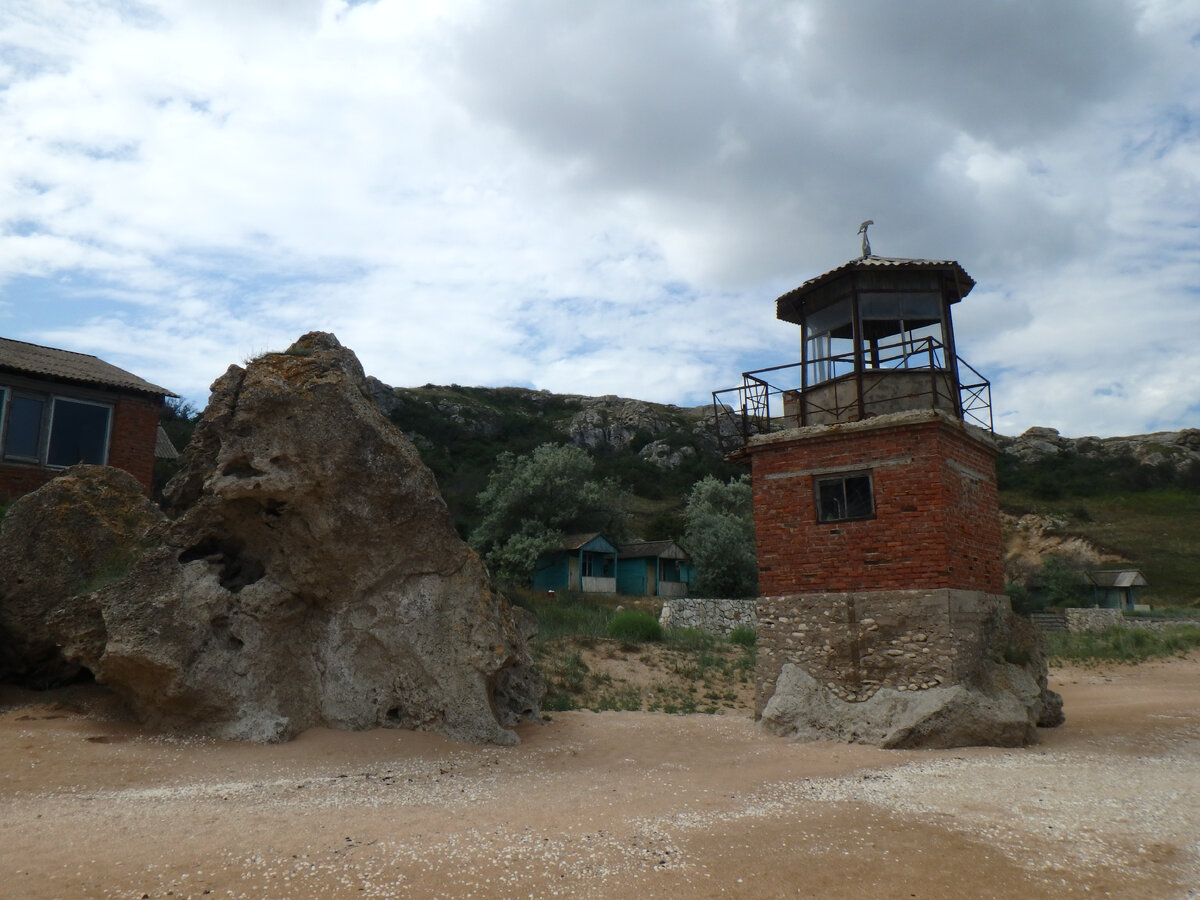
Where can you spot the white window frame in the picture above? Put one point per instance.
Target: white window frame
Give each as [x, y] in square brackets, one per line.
[46, 426]
[54, 399]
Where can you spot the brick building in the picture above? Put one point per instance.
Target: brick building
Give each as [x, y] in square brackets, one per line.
[59, 408]
[875, 505]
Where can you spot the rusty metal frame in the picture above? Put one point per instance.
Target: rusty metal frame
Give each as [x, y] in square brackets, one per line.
[746, 410]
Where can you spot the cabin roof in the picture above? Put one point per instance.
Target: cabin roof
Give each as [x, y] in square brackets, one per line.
[67, 365]
[1118, 578]
[657, 549]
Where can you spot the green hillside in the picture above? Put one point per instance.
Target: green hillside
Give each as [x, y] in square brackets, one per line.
[460, 431]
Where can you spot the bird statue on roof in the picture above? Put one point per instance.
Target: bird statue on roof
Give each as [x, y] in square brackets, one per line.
[862, 229]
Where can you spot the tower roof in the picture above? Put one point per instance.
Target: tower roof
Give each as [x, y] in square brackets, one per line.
[875, 273]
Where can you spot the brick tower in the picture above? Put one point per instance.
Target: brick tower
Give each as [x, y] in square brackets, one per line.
[875, 505]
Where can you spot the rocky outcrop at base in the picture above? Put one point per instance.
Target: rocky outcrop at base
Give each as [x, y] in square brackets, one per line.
[1003, 709]
[992, 688]
[309, 575]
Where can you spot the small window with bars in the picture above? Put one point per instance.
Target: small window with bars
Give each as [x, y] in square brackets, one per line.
[844, 497]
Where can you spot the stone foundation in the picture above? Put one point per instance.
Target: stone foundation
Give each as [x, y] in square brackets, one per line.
[932, 668]
[856, 643]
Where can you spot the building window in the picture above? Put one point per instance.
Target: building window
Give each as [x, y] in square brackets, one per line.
[23, 428]
[53, 431]
[78, 433]
[844, 497]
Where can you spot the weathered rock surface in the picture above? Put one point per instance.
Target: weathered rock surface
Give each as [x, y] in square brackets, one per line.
[1176, 449]
[83, 529]
[309, 576]
[1002, 706]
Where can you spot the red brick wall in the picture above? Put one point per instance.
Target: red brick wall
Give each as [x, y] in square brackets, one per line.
[936, 522]
[130, 447]
[17, 479]
[134, 430]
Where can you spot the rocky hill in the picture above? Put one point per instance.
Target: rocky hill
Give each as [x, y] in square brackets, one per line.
[1174, 453]
[1096, 501]
[658, 450]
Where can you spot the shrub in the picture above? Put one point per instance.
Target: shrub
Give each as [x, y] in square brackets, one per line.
[744, 636]
[635, 625]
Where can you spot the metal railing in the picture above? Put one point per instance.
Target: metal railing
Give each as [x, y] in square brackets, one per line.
[757, 406]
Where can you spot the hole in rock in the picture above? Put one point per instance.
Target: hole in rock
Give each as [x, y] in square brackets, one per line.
[240, 467]
[237, 569]
[223, 635]
[395, 714]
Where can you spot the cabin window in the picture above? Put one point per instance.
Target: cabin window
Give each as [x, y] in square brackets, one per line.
[23, 427]
[844, 497]
[53, 431]
[597, 565]
[78, 433]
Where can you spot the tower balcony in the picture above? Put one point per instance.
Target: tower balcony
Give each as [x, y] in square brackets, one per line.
[826, 390]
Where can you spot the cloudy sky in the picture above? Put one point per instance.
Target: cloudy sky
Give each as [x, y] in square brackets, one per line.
[605, 197]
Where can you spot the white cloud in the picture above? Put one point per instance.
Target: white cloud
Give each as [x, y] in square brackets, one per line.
[603, 197]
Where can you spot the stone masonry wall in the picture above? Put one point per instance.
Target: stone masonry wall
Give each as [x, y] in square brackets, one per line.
[856, 643]
[1092, 619]
[713, 616]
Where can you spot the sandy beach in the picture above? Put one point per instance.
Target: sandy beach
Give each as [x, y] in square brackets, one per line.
[609, 805]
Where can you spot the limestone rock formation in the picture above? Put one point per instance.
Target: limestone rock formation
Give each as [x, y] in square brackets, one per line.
[614, 422]
[1176, 449]
[309, 576]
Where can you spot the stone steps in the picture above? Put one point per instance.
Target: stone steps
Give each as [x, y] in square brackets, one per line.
[1049, 621]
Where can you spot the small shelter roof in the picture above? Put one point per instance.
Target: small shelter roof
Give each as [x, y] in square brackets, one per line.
[67, 365]
[657, 549]
[164, 448]
[945, 275]
[1117, 578]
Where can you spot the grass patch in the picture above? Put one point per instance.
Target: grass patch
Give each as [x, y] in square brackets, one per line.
[635, 626]
[565, 614]
[744, 636]
[1122, 645]
[690, 639]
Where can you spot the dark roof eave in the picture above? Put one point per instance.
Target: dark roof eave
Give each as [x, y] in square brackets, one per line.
[964, 282]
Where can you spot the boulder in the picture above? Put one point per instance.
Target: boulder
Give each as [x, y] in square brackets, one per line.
[83, 529]
[309, 575]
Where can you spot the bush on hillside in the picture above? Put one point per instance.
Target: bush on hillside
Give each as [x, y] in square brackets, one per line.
[636, 626]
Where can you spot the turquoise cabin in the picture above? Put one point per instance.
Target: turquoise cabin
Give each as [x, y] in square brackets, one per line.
[654, 569]
[584, 562]
[1116, 588]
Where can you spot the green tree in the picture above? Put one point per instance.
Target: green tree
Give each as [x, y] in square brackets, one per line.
[1061, 582]
[531, 501]
[720, 537]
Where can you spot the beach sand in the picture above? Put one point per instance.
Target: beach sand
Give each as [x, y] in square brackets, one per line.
[618, 804]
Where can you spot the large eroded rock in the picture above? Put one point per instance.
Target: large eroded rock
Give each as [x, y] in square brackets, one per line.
[309, 576]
